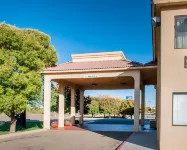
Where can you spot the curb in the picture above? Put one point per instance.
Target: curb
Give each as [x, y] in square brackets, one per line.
[123, 143]
[5, 136]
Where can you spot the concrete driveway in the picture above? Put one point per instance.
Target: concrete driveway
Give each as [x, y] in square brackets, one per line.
[65, 140]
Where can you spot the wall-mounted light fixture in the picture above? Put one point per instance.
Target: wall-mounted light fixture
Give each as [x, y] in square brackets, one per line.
[156, 21]
[185, 61]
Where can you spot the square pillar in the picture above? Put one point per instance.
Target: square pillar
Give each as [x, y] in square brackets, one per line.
[61, 106]
[73, 90]
[156, 114]
[81, 107]
[143, 105]
[136, 102]
[47, 99]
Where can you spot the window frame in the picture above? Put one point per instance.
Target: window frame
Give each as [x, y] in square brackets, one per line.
[175, 17]
[176, 93]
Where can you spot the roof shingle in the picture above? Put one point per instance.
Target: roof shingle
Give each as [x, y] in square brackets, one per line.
[107, 64]
[151, 63]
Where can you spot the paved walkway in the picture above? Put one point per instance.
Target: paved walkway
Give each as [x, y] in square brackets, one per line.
[141, 141]
[65, 140]
[103, 136]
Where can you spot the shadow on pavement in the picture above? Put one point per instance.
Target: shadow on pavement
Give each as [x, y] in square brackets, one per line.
[142, 141]
[146, 139]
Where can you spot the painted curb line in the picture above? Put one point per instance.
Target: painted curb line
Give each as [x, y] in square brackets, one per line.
[124, 142]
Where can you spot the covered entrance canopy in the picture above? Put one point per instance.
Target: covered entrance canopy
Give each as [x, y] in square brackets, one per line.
[98, 71]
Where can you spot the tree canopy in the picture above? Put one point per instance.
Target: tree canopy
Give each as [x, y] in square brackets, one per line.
[127, 107]
[111, 106]
[24, 54]
[93, 107]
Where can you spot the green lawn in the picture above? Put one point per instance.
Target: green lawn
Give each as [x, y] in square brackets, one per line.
[31, 125]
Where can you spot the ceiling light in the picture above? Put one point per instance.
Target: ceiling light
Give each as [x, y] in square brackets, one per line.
[93, 84]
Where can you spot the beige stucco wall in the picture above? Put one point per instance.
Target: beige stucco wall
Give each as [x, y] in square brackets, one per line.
[167, 1]
[173, 79]
[158, 88]
[156, 47]
[118, 55]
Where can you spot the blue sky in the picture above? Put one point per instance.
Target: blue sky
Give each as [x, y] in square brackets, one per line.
[83, 26]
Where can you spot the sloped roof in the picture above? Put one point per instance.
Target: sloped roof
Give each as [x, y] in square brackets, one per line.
[105, 64]
[151, 63]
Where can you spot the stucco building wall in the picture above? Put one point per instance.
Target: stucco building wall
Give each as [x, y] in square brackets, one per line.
[173, 79]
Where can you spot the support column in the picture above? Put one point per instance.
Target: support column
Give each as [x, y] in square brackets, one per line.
[143, 105]
[136, 102]
[156, 114]
[81, 107]
[61, 106]
[47, 99]
[73, 90]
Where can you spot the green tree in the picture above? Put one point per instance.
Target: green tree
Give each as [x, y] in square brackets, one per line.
[123, 107]
[54, 98]
[116, 106]
[67, 93]
[103, 104]
[87, 100]
[129, 111]
[109, 105]
[24, 54]
[68, 99]
[93, 107]
[127, 108]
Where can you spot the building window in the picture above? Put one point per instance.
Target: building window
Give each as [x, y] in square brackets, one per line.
[180, 32]
[180, 109]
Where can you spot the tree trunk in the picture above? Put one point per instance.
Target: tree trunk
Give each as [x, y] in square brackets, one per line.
[104, 115]
[22, 120]
[131, 116]
[13, 124]
[92, 115]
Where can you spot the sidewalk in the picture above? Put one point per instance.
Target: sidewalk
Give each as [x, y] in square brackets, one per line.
[18, 134]
[141, 141]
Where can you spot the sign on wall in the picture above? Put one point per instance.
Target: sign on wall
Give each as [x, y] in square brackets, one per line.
[91, 76]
